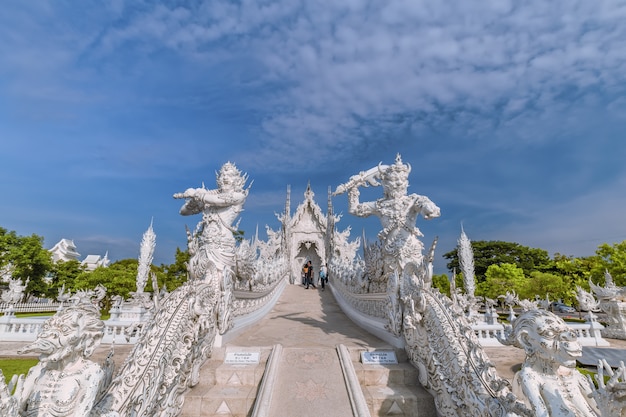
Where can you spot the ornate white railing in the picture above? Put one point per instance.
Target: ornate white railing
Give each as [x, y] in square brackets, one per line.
[249, 307]
[369, 311]
[488, 334]
[589, 334]
[14, 329]
[30, 307]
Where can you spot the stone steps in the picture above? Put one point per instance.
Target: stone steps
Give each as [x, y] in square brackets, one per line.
[392, 389]
[227, 390]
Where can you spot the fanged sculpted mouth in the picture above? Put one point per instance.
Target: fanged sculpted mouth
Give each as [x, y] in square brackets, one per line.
[574, 352]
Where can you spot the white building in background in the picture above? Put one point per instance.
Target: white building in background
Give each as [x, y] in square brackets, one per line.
[65, 250]
[94, 261]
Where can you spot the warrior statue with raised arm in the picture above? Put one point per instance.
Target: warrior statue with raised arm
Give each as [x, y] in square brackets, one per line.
[219, 210]
[397, 211]
[212, 245]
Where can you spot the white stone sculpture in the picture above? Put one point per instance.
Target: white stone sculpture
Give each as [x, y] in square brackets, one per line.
[214, 234]
[466, 263]
[510, 300]
[612, 301]
[491, 314]
[549, 382]
[587, 302]
[544, 303]
[451, 363]
[273, 246]
[610, 291]
[65, 382]
[246, 265]
[438, 337]
[179, 337]
[166, 359]
[527, 305]
[212, 245]
[396, 210]
[146, 254]
[15, 293]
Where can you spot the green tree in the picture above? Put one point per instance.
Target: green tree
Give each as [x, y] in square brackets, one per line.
[175, 274]
[610, 258]
[442, 282]
[119, 278]
[545, 283]
[65, 273]
[576, 271]
[29, 260]
[239, 235]
[495, 252]
[7, 241]
[502, 278]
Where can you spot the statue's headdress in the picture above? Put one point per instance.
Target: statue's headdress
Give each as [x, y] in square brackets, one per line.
[236, 177]
[398, 166]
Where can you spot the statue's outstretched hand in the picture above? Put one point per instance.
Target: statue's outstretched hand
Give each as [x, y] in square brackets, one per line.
[610, 396]
[8, 402]
[188, 193]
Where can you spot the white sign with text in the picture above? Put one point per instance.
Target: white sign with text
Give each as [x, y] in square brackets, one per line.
[380, 357]
[242, 358]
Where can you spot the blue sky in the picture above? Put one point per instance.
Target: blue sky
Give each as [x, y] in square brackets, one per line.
[511, 114]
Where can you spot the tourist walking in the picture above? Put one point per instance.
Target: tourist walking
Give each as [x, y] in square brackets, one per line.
[323, 275]
[309, 275]
[305, 269]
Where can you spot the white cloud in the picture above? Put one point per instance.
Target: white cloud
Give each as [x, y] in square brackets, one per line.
[334, 64]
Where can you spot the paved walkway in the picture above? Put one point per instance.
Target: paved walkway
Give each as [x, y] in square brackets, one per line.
[309, 324]
[307, 319]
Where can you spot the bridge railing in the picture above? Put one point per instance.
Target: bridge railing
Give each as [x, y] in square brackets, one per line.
[589, 334]
[14, 329]
[369, 311]
[248, 308]
[30, 307]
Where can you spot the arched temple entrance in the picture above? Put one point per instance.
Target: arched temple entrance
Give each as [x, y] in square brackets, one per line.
[308, 251]
[308, 235]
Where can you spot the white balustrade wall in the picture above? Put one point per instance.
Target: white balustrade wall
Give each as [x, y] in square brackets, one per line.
[13, 329]
[25, 329]
[589, 334]
[31, 307]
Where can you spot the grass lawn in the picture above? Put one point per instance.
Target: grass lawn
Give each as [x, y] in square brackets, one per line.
[17, 366]
[26, 315]
[103, 316]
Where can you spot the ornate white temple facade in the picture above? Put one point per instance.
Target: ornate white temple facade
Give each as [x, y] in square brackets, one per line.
[65, 250]
[308, 233]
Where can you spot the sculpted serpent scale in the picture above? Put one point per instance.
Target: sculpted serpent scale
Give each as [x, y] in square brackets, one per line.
[165, 360]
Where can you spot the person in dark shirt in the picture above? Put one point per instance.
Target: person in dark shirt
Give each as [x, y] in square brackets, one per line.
[309, 275]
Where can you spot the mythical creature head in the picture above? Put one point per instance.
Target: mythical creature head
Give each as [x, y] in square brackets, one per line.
[544, 336]
[72, 333]
[229, 178]
[395, 178]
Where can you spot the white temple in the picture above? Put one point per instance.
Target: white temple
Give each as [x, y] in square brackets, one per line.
[92, 262]
[308, 233]
[65, 250]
